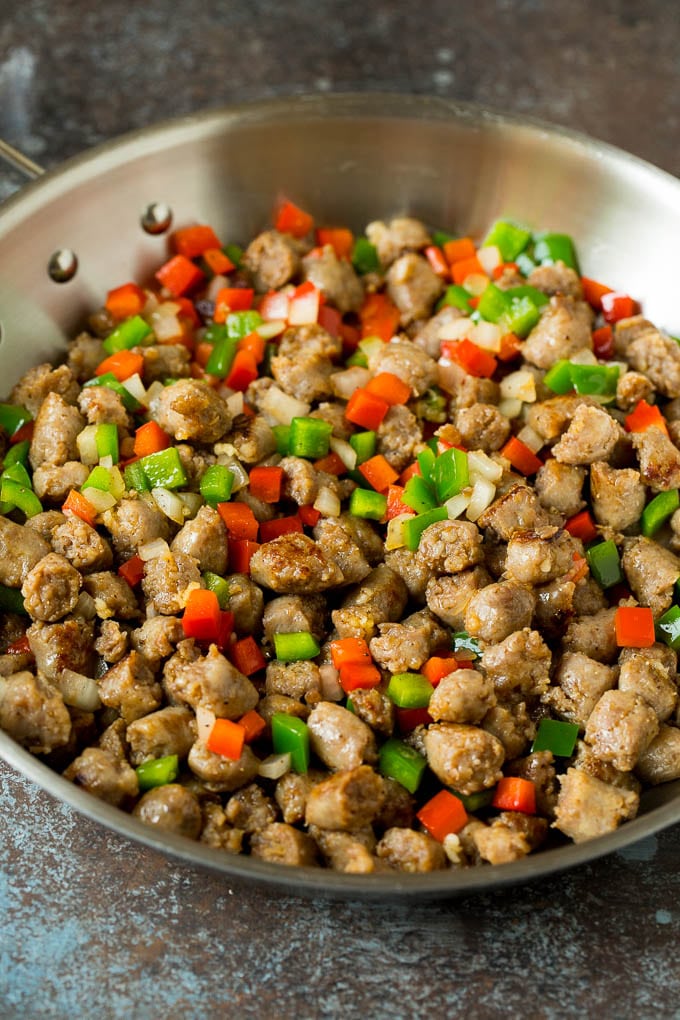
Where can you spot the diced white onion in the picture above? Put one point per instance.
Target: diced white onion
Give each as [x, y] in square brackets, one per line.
[151, 305]
[235, 403]
[487, 335]
[154, 390]
[622, 366]
[215, 286]
[331, 689]
[483, 494]
[345, 452]
[282, 407]
[519, 385]
[85, 606]
[150, 550]
[457, 504]
[238, 471]
[275, 766]
[490, 258]
[371, 345]
[456, 329]
[481, 465]
[267, 330]
[583, 357]
[166, 326]
[136, 387]
[87, 445]
[346, 382]
[531, 438]
[205, 720]
[99, 500]
[327, 502]
[476, 283]
[106, 462]
[453, 848]
[117, 487]
[79, 691]
[170, 503]
[193, 501]
[510, 407]
[394, 536]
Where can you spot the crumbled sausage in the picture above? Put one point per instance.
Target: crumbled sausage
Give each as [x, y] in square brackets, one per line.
[659, 459]
[347, 800]
[520, 663]
[536, 557]
[517, 510]
[651, 353]
[651, 680]
[100, 404]
[41, 380]
[374, 708]
[411, 364]
[85, 354]
[337, 542]
[164, 361]
[651, 572]
[398, 437]
[167, 731]
[464, 757]
[290, 614]
[660, 761]
[335, 278]
[399, 235]
[464, 696]
[293, 564]
[33, 712]
[591, 436]
[20, 549]
[273, 259]
[130, 687]
[550, 418]
[252, 438]
[171, 808]
[133, 523]
[217, 832]
[156, 638]
[631, 388]
[104, 776]
[594, 636]
[448, 597]
[190, 409]
[251, 810]
[451, 546]
[587, 807]
[554, 607]
[54, 435]
[413, 286]
[620, 727]
[53, 482]
[204, 538]
[557, 279]
[498, 610]
[82, 545]
[513, 726]
[208, 681]
[407, 645]
[482, 427]
[168, 581]
[112, 641]
[413, 569]
[381, 597]
[618, 496]
[579, 684]
[282, 844]
[220, 774]
[63, 645]
[246, 602]
[51, 588]
[539, 768]
[351, 852]
[562, 330]
[293, 679]
[408, 850]
[560, 487]
[339, 738]
[303, 363]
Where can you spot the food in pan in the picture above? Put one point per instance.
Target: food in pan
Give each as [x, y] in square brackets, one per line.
[351, 551]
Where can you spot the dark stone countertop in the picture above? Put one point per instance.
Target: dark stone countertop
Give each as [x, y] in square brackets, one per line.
[95, 926]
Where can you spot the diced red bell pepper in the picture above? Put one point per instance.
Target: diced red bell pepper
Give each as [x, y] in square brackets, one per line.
[150, 438]
[515, 794]
[122, 364]
[521, 457]
[459, 249]
[253, 723]
[21, 646]
[290, 219]
[201, 619]
[195, 240]
[331, 320]
[466, 267]
[438, 263]
[243, 371]
[603, 343]
[132, 570]
[269, 530]
[309, 515]
[79, 505]
[254, 344]
[395, 506]
[355, 676]
[350, 651]
[511, 347]
[241, 551]
[239, 520]
[379, 316]
[332, 464]
[247, 656]
[232, 299]
[390, 387]
[226, 739]
[179, 275]
[617, 306]
[470, 357]
[125, 301]
[340, 239]
[437, 667]
[443, 815]
[378, 472]
[365, 409]
[217, 261]
[582, 526]
[645, 416]
[593, 292]
[634, 627]
[409, 718]
[265, 483]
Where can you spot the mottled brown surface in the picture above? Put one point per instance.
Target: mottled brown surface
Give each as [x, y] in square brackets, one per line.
[93, 925]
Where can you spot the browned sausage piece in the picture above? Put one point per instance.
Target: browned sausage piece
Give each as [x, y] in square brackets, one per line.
[303, 363]
[334, 277]
[536, 557]
[190, 409]
[168, 581]
[104, 776]
[587, 807]
[208, 681]
[559, 487]
[20, 549]
[617, 496]
[520, 663]
[339, 738]
[168, 731]
[51, 588]
[54, 436]
[591, 436]
[33, 712]
[563, 329]
[651, 572]
[81, 544]
[273, 259]
[620, 727]
[413, 286]
[130, 687]
[659, 459]
[660, 761]
[464, 757]
[204, 538]
[294, 564]
[450, 547]
[171, 808]
[404, 646]
[464, 696]
[220, 774]
[282, 844]
[411, 851]
[411, 364]
[347, 800]
[498, 610]
[580, 682]
[447, 597]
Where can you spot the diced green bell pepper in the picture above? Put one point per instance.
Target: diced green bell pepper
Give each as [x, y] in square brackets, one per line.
[658, 511]
[558, 737]
[475, 801]
[20, 496]
[214, 332]
[524, 263]
[240, 324]
[605, 565]
[296, 646]
[234, 252]
[158, 772]
[550, 248]
[290, 735]
[456, 296]
[418, 495]
[363, 444]
[410, 690]
[11, 600]
[130, 402]
[135, 479]
[521, 317]
[598, 379]
[17, 454]
[450, 474]
[668, 628]
[18, 473]
[12, 417]
[309, 437]
[358, 358]
[216, 484]
[365, 256]
[219, 585]
[442, 237]
[221, 357]
[98, 478]
[558, 377]
[415, 526]
[128, 334]
[509, 238]
[426, 459]
[282, 437]
[536, 296]
[106, 440]
[164, 469]
[368, 504]
[396, 760]
[493, 303]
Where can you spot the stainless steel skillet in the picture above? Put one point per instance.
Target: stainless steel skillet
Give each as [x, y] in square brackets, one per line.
[349, 159]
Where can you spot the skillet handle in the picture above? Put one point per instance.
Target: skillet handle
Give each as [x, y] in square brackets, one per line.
[19, 161]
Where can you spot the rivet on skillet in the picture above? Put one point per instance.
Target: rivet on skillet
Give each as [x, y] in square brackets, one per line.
[156, 218]
[63, 265]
